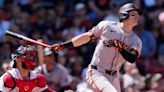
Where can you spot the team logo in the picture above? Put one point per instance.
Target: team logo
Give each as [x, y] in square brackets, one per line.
[26, 88]
[113, 42]
[108, 43]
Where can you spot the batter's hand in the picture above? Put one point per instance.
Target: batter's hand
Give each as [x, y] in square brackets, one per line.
[57, 47]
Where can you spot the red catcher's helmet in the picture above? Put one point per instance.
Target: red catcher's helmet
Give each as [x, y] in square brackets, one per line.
[28, 54]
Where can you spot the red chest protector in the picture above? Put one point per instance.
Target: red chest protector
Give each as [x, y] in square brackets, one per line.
[24, 85]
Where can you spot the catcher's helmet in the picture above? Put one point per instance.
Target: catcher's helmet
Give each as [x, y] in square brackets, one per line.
[125, 9]
[28, 54]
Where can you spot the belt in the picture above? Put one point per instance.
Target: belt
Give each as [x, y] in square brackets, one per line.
[109, 72]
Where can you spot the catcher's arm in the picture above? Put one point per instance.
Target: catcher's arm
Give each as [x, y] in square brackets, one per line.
[74, 42]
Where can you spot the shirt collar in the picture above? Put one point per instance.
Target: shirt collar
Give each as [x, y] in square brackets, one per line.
[122, 31]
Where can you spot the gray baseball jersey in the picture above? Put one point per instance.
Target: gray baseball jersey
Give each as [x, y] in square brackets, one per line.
[57, 78]
[105, 55]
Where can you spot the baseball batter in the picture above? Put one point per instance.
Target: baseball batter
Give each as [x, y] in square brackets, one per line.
[117, 43]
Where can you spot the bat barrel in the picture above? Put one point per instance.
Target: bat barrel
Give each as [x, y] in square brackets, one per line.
[21, 37]
[15, 35]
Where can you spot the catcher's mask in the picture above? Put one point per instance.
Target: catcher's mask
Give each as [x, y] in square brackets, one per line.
[28, 56]
[125, 9]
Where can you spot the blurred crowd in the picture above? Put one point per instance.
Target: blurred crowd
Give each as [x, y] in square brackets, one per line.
[54, 21]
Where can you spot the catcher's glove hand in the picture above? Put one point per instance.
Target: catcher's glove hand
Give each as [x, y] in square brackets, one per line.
[57, 47]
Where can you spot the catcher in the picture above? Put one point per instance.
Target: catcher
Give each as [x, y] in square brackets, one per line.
[22, 78]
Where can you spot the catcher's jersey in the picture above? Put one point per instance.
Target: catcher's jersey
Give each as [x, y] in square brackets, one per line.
[105, 55]
[30, 85]
[57, 78]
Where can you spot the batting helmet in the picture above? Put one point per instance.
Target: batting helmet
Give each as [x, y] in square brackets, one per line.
[125, 9]
[28, 54]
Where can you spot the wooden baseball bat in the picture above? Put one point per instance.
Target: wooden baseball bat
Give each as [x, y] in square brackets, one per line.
[22, 37]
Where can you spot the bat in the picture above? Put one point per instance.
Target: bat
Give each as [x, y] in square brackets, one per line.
[22, 37]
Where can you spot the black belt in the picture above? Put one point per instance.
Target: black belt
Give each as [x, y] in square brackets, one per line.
[110, 72]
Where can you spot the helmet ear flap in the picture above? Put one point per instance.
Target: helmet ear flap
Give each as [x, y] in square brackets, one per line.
[123, 16]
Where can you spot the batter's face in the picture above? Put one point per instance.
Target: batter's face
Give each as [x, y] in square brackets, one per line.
[133, 17]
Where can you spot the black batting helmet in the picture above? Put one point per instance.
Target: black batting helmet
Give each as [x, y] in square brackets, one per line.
[125, 9]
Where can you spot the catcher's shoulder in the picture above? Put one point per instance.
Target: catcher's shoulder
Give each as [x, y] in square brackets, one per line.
[8, 80]
[41, 80]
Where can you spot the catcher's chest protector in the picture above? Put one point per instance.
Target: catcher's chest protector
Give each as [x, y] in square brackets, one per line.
[22, 85]
[31, 85]
[26, 86]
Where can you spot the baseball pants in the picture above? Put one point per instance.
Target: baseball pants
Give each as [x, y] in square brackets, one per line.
[101, 81]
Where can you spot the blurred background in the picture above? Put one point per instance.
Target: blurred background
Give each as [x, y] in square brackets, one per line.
[52, 21]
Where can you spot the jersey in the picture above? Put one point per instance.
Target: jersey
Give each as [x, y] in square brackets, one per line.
[105, 55]
[35, 83]
[59, 77]
[103, 72]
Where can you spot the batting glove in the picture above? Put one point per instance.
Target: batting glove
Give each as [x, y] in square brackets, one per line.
[57, 47]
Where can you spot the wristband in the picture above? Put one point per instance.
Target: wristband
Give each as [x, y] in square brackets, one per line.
[68, 44]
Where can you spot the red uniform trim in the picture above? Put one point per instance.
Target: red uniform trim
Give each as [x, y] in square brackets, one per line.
[94, 81]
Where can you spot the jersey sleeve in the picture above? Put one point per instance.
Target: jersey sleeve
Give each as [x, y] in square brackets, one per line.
[137, 45]
[98, 29]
